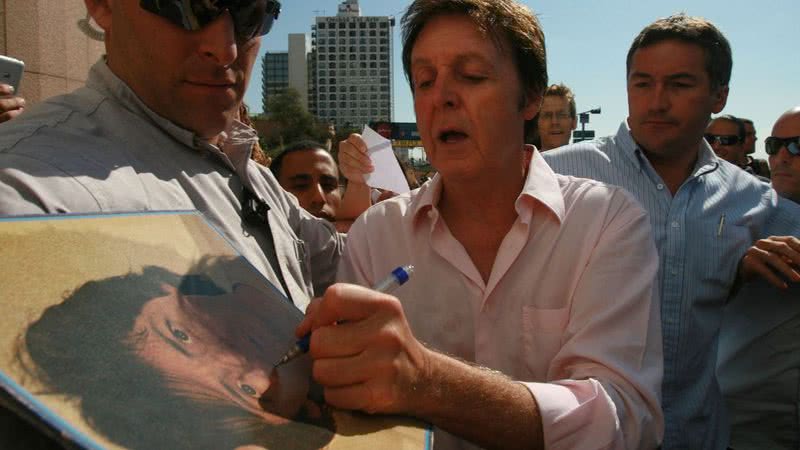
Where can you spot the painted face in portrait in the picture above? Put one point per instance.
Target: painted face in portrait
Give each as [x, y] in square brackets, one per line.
[223, 347]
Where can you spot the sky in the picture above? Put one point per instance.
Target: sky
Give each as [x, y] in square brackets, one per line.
[587, 41]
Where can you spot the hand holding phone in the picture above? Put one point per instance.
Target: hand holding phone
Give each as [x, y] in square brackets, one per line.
[11, 71]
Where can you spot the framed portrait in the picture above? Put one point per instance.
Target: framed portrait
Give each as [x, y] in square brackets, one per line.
[149, 331]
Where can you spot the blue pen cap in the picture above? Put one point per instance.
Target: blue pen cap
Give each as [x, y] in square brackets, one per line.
[400, 274]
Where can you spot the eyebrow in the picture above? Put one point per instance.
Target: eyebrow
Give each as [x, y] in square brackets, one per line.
[326, 177]
[300, 177]
[460, 59]
[674, 76]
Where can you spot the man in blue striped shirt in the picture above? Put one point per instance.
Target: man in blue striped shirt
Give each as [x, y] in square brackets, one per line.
[705, 212]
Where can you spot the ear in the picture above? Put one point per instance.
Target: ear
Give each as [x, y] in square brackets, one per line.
[532, 106]
[720, 98]
[100, 10]
[574, 123]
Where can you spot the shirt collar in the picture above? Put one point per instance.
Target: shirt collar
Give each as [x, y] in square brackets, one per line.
[541, 188]
[707, 160]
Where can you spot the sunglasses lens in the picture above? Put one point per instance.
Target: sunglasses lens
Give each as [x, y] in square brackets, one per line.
[254, 18]
[251, 18]
[773, 145]
[722, 139]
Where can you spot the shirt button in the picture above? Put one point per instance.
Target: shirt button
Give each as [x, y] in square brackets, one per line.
[660, 187]
[675, 224]
[674, 272]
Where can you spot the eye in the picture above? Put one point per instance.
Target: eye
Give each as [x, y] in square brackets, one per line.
[474, 78]
[300, 187]
[181, 335]
[248, 390]
[330, 187]
[422, 84]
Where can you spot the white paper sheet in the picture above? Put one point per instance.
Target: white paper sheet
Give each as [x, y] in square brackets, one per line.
[387, 173]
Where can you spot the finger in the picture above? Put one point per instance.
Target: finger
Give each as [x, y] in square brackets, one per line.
[338, 372]
[350, 302]
[787, 246]
[6, 116]
[305, 326]
[11, 103]
[357, 141]
[6, 89]
[353, 155]
[780, 258]
[382, 333]
[756, 263]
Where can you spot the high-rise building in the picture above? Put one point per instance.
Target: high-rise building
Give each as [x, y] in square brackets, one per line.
[275, 79]
[286, 69]
[352, 67]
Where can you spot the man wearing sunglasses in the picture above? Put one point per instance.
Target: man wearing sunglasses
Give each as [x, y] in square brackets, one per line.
[155, 128]
[726, 134]
[783, 148]
[756, 165]
[761, 326]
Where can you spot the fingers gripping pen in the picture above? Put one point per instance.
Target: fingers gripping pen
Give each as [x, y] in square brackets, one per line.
[395, 279]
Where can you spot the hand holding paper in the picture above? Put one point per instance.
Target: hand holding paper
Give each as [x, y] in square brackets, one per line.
[387, 173]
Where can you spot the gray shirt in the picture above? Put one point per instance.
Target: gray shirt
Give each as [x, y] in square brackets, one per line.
[100, 149]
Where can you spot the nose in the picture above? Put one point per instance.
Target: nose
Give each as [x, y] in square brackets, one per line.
[317, 195]
[446, 97]
[660, 99]
[218, 41]
[782, 157]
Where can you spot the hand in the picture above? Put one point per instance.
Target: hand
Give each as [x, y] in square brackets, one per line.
[354, 162]
[365, 355]
[10, 106]
[772, 257]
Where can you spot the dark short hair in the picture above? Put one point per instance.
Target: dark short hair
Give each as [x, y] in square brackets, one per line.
[277, 162]
[562, 90]
[691, 30]
[739, 123]
[499, 19]
[746, 121]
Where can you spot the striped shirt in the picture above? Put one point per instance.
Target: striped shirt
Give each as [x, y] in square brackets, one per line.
[701, 234]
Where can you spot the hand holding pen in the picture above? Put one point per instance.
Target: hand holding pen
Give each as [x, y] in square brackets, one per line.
[364, 353]
[395, 279]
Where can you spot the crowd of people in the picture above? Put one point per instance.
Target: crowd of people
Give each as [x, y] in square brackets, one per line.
[634, 291]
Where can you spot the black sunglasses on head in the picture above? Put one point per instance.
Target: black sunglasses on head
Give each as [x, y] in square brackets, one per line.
[251, 18]
[724, 139]
[774, 144]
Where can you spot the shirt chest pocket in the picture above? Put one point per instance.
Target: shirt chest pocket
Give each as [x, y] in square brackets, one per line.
[542, 336]
[723, 247]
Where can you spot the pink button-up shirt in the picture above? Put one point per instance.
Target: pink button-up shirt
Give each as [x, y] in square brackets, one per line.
[569, 309]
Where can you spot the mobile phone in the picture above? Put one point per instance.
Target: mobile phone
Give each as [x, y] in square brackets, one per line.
[11, 71]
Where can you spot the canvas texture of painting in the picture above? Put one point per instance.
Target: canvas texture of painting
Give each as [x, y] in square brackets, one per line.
[150, 331]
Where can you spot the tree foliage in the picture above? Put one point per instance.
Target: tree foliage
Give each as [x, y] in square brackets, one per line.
[289, 121]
